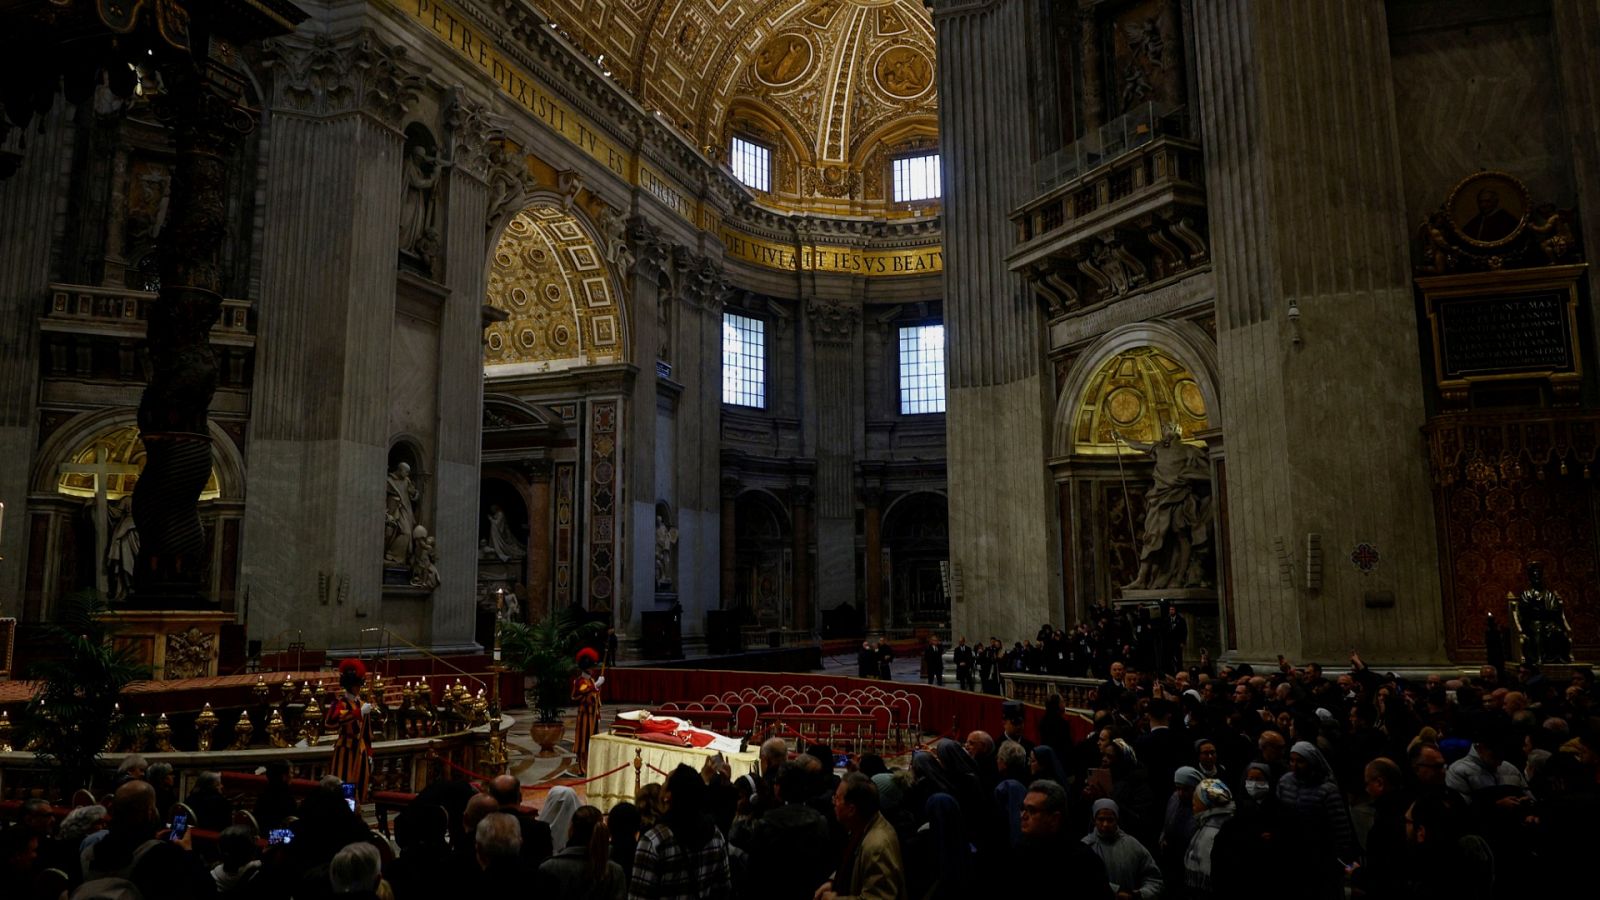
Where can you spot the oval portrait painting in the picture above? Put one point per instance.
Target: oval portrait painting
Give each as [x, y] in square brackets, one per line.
[1489, 208]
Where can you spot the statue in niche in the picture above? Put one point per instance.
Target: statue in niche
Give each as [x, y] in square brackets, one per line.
[1539, 621]
[666, 540]
[122, 549]
[502, 543]
[424, 559]
[1177, 516]
[400, 515]
[419, 232]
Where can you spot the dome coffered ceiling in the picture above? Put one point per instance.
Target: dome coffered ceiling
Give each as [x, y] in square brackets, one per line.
[835, 86]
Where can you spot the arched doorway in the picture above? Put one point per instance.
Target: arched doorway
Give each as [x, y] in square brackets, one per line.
[916, 544]
[762, 560]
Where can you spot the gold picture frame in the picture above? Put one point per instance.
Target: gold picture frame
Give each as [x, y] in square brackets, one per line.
[1477, 319]
[1488, 209]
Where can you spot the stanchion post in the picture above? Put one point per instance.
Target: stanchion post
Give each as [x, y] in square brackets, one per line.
[638, 768]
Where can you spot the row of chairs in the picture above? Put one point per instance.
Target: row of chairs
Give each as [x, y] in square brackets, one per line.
[869, 717]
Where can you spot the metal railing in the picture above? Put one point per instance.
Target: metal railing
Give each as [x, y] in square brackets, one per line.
[1133, 129]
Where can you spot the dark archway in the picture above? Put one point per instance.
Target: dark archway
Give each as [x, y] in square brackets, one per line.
[916, 540]
[762, 571]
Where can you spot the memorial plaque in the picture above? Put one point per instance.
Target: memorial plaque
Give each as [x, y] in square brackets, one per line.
[1505, 335]
[1517, 324]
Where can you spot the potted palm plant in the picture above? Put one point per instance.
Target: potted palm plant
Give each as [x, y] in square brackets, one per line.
[545, 653]
[73, 715]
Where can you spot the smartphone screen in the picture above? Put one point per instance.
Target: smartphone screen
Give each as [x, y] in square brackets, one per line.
[841, 761]
[180, 824]
[350, 795]
[280, 836]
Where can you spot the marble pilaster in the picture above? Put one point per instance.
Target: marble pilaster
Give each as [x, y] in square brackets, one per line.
[320, 426]
[1303, 178]
[28, 200]
[1000, 499]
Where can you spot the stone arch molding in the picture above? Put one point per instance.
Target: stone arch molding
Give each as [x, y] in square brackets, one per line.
[1184, 341]
[226, 461]
[551, 273]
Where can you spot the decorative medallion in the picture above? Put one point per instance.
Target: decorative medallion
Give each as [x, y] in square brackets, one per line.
[1365, 557]
[1125, 406]
[903, 72]
[784, 60]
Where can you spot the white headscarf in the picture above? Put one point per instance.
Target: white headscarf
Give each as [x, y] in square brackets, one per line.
[559, 805]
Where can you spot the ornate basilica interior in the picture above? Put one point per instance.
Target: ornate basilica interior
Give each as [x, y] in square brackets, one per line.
[804, 319]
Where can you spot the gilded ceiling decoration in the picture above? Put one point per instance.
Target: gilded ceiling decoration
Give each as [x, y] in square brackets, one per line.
[551, 279]
[121, 452]
[1135, 394]
[837, 86]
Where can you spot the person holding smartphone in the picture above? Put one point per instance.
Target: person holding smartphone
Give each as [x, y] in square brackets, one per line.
[349, 718]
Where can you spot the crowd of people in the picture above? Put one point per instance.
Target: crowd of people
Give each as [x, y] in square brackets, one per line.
[1154, 635]
[1205, 782]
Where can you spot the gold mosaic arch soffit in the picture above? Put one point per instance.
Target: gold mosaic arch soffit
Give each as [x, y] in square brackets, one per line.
[124, 461]
[1136, 394]
[552, 280]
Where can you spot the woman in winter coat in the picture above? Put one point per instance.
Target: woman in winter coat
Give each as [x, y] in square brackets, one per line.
[1311, 797]
[1213, 809]
[1130, 868]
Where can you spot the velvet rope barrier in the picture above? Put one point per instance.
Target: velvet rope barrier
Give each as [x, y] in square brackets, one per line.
[545, 787]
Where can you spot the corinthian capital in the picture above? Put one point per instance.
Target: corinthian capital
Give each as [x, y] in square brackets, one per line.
[357, 72]
[833, 322]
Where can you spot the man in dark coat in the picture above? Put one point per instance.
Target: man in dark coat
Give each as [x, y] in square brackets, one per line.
[933, 661]
[866, 661]
[885, 660]
[1051, 859]
[963, 660]
[791, 847]
[536, 843]
[1174, 635]
[1164, 748]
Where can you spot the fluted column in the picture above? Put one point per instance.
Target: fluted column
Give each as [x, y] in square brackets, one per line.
[1000, 510]
[834, 396]
[804, 609]
[27, 203]
[730, 537]
[1577, 33]
[872, 524]
[320, 423]
[540, 568]
[1309, 245]
[460, 365]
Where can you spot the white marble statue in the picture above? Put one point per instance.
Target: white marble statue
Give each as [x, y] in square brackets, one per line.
[503, 544]
[424, 559]
[400, 515]
[418, 215]
[122, 550]
[666, 539]
[1177, 518]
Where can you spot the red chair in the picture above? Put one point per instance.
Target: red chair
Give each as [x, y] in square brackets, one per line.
[696, 707]
[709, 699]
[730, 697]
[881, 723]
[744, 719]
[829, 690]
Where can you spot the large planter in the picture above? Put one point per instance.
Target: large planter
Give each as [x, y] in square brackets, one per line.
[547, 735]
